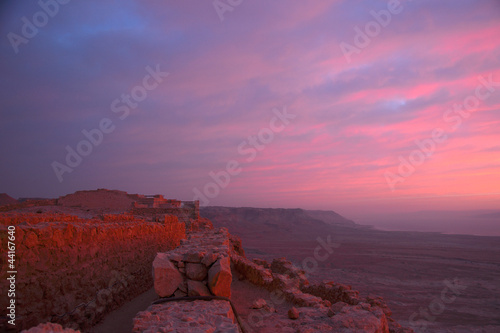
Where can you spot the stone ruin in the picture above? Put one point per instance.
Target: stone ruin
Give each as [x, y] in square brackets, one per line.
[200, 266]
[150, 207]
[155, 208]
[203, 266]
[194, 281]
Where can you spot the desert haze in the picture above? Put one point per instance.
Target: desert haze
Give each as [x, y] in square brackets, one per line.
[466, 222]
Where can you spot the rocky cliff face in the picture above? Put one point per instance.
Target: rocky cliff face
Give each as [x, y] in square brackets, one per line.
[290, 223]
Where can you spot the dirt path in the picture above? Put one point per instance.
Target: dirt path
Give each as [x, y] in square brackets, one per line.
[243, 295]
[120, 320]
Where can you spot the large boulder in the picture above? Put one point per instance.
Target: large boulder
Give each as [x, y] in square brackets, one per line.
[220, 277]
[167, 277]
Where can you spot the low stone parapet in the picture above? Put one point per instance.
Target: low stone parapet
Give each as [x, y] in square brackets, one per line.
[200, 266]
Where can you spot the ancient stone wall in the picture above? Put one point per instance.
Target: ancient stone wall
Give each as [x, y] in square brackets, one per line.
[75, 272]
[199, 267]
[196, 269]
[188, 212]
[184, 214]
[346, 310]
[193, 206]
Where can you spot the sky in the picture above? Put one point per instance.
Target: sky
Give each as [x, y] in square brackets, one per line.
[359, 106]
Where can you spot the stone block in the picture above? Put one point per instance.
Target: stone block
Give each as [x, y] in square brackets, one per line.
[166, 276]
[209, 259]
[194, 256]
[220, 277]
[197, 272]
[197, 288]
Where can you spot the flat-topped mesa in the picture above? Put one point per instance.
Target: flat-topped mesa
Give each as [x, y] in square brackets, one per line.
[200, 266]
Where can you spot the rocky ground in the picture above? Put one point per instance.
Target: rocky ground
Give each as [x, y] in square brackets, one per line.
[410, 270]
[431, 282]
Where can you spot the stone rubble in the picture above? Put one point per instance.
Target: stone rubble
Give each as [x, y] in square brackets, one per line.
[293, 313]
[49, 328]
[187, 317]
[203, 265]
[323, 307]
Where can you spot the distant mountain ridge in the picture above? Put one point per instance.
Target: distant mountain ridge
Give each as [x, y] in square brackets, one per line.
[6, 199]
[329, 217]
[284, 223]
[292, 216]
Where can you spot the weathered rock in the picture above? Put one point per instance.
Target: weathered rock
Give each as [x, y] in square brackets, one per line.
[180, 293]
[183, 286]
[254, 273]
[194, 256]
[356, 319]
[197, 272]
[197, 288]
[209, 259]
[259, 304]
[55, 253]
[337, 307]
[283, 266]
[293, 313]
[49, 328]
[166, 276]
[236, 246]
[262, 262]
[175, 256]
[196, 316]
[220, 277]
